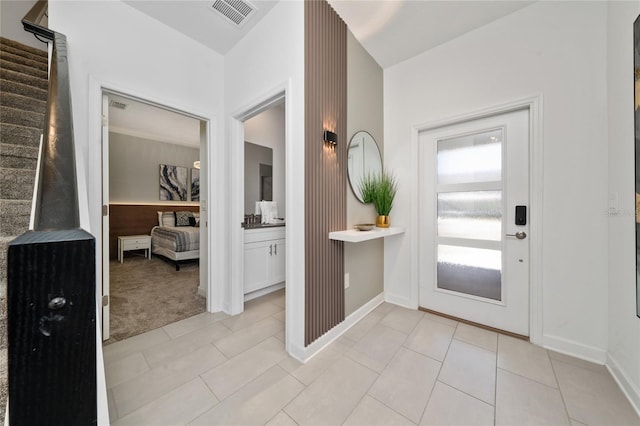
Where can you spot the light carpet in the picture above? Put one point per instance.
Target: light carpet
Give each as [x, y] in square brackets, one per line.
[148, 294]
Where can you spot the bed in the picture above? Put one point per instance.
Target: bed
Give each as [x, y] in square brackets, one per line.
[177, 237]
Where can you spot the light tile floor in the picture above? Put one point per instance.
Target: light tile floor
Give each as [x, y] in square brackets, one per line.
[395, 367]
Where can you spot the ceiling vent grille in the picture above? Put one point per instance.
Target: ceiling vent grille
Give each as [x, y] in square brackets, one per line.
[236, 11]
[116, 104]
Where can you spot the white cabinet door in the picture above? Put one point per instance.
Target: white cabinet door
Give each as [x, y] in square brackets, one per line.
[278, 272]
[257, 266]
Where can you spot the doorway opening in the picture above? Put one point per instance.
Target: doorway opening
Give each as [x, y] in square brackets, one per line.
[154, 216]
[260, 204]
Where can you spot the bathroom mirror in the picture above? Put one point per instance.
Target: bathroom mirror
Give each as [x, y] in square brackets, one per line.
[364, 159]
[258, 175]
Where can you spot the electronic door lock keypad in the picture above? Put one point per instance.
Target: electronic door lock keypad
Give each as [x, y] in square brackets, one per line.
[521, 215]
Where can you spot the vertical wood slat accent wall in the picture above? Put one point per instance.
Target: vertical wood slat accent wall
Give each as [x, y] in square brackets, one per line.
[325, 167]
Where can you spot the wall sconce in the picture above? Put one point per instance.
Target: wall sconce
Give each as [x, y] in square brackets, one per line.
[330, 137]
[196, 164]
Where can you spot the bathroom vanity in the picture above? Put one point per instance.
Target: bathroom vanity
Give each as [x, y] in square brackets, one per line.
[264, 259]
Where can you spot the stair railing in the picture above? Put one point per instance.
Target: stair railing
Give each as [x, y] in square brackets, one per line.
[51, 275]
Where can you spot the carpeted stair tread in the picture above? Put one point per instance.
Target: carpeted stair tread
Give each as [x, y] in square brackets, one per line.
[23, 47]
[18, 157]
[8, 65]
[16, 184]
[23, 118]
[15, 134]
[23, 61]
[20, 77]
[26, 103]
[14, 217]
[22, 89]
[38, 57]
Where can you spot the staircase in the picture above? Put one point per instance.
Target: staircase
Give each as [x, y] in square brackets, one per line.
[23, 96]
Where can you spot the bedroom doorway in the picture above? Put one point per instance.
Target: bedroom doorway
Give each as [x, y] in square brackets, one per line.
[154, 231]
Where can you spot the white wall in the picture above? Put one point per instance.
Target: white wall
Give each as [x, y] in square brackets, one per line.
[267, 129]
[624, 326]
[266, 61]
[11, 14]
[134, 174]
[112, 44]
[557, 49]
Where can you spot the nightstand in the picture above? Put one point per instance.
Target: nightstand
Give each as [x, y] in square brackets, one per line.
[134, 242]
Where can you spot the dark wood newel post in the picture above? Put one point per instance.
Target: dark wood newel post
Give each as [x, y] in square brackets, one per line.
[52, 330]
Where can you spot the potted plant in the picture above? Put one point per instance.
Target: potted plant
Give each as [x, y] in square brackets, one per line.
[380, 189]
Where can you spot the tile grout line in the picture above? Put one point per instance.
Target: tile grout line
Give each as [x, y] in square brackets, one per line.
[391, 408]
[246, 384]
[477, 346]
[467, 394]
[424, 410]
[363, 396]
[380, 375]
[529, 379]
[426, 404]
[555, 376]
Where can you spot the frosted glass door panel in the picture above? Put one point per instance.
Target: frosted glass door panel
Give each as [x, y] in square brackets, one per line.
[471, 158]
[475, 215]
[477, 272]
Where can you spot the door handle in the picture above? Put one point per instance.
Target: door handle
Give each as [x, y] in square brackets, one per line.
[519, 235]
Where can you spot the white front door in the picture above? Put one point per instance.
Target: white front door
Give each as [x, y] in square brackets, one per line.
[474, 207]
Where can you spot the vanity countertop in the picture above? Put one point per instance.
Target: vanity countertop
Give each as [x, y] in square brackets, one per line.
[249, 226]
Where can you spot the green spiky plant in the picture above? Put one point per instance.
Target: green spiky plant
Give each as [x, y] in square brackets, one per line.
[379, 189]
[367, 188]
[386, 187]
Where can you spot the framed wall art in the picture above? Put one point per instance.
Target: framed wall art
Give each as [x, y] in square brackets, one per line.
[173, 183]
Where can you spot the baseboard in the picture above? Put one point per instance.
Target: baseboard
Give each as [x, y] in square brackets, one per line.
[308, 352]
[574, 349]
[202, 292]
[630, 390]
[263, 291]
[405, 302]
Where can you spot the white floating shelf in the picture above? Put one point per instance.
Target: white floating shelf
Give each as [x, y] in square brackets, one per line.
[355, 236]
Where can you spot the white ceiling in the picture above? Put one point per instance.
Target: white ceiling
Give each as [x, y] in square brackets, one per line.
[390, 30]
[395, 30]
[197, 20]
[151, 122]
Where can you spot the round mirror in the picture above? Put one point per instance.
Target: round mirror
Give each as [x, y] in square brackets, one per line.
[364, 159]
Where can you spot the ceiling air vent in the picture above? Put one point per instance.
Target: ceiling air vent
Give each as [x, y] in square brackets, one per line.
[236, 11]
[116, 104]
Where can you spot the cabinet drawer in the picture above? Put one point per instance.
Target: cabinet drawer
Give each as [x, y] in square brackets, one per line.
[264, 234]
[134, 245]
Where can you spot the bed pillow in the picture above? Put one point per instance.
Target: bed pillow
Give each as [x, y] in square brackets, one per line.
[166, 219]
[182, 218]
